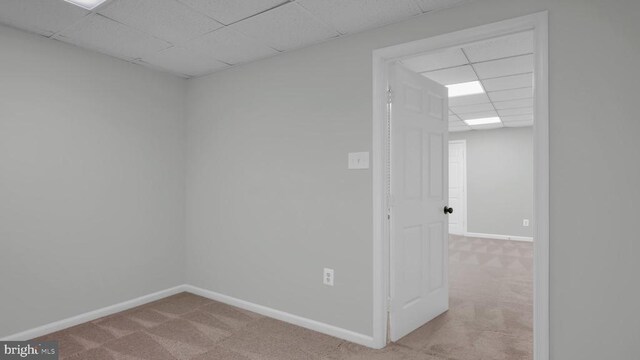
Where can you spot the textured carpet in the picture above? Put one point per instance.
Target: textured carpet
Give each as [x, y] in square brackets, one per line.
[490, 318]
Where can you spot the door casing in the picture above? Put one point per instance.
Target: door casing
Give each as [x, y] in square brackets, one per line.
[538, 23]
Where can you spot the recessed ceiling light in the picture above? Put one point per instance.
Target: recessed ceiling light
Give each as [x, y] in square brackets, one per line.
[483, 121]
[86, 4]
[467, 88]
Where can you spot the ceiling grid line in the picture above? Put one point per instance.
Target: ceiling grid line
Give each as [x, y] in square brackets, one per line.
[160, 42]
[502, 66]
[483, 88]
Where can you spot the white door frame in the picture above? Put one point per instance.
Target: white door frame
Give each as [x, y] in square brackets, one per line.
[464, 181]
[537, 22]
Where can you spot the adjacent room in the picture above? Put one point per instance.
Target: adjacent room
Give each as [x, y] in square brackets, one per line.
[490, 199]
[319, 179]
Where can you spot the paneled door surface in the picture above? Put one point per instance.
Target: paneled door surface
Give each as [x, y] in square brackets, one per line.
[419, 148]
[457, 186]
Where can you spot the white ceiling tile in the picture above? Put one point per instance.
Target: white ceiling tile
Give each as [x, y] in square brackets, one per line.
[107, 36]
[230, 46]
[510, 66]
[468, 100]
[454, 75]
[184, 61]
[513, 104]
[504, 95]
[508, 82]
[472, 108]
[520, 111]
[518, 124]
[230, 11]
[436, 61]
[487, 126]
[356, 15]
[517, 118]
[44, 17]
[479, 115]
[457, 123]
[286, 27]
[459, 128]
[430, 5]
[501, 47]
[165, 19]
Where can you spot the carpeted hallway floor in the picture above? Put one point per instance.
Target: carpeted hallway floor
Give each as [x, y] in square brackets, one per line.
[490, 318]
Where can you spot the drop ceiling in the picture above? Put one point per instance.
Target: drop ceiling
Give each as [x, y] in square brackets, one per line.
[504, 67]
[197, 37]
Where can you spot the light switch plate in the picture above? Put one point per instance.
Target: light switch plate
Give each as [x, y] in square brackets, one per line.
[359, 160]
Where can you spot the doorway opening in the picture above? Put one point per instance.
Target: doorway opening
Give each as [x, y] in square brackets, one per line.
[393, 239]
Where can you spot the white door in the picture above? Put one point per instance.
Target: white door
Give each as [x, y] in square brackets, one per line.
[458, 186]
[419, 230]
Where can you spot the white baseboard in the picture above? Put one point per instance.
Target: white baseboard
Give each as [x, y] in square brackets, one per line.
[327, 329]
[92, 315]
[498, 237]
[331, 330]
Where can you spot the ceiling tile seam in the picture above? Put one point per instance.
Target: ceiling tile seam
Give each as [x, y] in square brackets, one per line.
[159, 38]
[179, 46]
[514, 99]
[199, 12]
[243, 34]
[367, 29]
[94, 12]
[263, 11]
[317, 18]
[86, 16]
[480, 62]
[171, 44]
[505, 76]
[481, 84]
[517, 108]
[501, 58]
[128, 27]
[417, 3]
[512, 89]
[339, 36]
[454, 112]
[91, 12]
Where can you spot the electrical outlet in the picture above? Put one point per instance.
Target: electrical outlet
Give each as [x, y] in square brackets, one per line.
[525, 222]
[327, 277]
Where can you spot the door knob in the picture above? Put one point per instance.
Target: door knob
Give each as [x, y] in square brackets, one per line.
[448, 210]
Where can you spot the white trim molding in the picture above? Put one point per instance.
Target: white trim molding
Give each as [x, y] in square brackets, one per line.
[538, 23]
[498, 237]
[93, 315]
[327, 329]
[314, 325]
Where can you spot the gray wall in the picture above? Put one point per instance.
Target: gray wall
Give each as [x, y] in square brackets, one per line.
[499, 180]
[91, 181]
[270, 202]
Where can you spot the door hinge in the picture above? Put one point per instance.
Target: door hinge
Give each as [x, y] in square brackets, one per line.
[389, 96]
[388, 213]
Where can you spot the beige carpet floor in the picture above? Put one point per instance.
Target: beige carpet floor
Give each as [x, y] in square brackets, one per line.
[490, 318]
